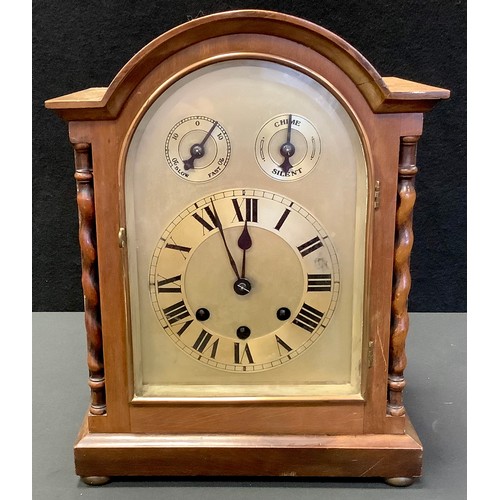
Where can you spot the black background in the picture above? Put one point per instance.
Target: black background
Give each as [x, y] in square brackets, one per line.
[78, 44]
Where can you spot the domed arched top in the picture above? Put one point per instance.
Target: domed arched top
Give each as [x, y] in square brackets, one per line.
[382, 94]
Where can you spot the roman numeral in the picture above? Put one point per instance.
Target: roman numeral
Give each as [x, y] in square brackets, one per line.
[202, 343]
[184, 327]
[175, 280]
[309, 246]
[282, 220]
[239, 355]
[282, 345]
[308, 318]
[319, 282]
[251, 209]
[176, 312]
[206, 225]
[178, 247]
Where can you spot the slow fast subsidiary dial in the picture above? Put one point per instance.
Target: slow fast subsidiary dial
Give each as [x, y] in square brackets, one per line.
[197, 148]
[287, 147]
[244, 280]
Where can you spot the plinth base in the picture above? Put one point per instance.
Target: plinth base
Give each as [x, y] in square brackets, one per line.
[387, 456]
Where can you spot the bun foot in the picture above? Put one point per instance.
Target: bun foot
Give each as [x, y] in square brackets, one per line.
[96, 480]
[400, 481]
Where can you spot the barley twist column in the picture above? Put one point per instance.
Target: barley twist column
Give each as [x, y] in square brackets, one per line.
[87, 236]
[402, 279]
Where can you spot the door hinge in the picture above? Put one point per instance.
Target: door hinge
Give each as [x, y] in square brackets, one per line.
[376, 197]
[371, 343]
[122, 237]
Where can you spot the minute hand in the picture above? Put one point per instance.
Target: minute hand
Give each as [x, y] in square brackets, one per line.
[221, 231]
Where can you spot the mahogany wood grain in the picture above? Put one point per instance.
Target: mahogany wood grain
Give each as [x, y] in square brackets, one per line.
[264, 419]
[113, 303]
[369, 455]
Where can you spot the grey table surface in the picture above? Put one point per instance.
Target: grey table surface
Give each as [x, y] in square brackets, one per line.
[435, 398]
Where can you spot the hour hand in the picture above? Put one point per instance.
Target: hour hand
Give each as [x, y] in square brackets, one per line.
[244, 242]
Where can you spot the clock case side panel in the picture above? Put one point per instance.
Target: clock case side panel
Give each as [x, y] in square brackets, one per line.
[104, 140]
[386, 132]
[305, 59]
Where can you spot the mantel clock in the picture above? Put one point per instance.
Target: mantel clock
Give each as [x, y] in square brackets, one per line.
[245, 188]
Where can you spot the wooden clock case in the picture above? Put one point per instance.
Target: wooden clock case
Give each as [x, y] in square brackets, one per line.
[372, 437]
